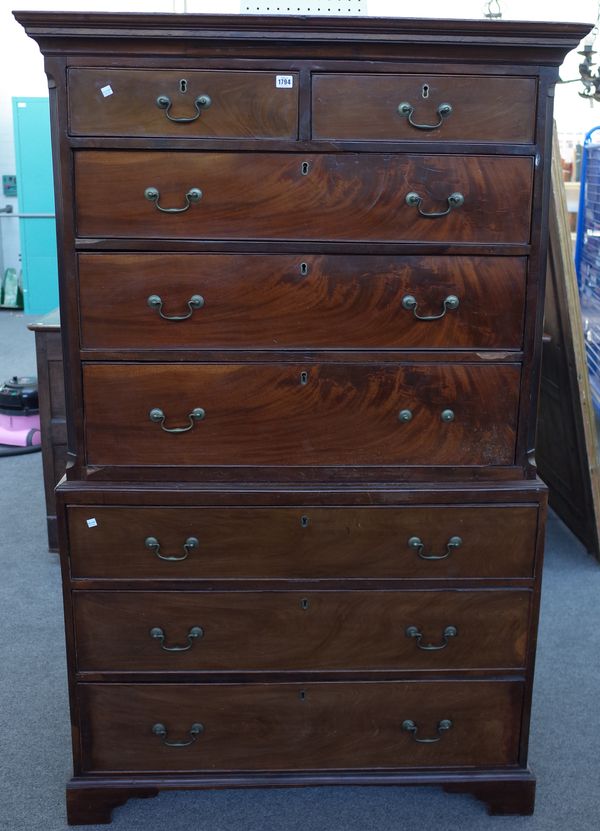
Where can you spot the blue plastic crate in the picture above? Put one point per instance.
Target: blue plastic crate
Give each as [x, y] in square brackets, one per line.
[587, 258]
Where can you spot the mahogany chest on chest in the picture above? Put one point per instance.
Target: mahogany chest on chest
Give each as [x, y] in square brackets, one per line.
[301, 293]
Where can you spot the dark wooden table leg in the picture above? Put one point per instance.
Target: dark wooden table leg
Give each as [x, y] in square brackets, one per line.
[506, 796]
[94, 805]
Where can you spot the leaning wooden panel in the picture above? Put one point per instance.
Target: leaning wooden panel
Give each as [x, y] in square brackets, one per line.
[567, 447]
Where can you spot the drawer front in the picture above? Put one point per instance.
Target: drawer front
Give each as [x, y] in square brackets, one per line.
[302, 196]
[408, 107]
[299, 726]
[300, 414]
[213, 104]
[300, 301]
[311, 630]
[302, 542]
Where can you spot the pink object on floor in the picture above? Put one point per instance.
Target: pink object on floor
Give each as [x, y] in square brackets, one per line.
[20, 430]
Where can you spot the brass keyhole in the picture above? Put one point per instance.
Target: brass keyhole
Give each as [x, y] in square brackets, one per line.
[302, 695]
[304, 603]
[304, 269]
[304, 378]
[425, 91]
[305, 168]
[304, 520]
[183, 85]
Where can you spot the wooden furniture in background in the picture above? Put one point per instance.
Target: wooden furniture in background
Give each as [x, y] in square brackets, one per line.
[567, 445]
[51, 392]
[301, 534]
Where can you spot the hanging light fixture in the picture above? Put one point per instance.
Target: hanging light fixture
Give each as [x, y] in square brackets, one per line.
[493, 10]
[587, 76]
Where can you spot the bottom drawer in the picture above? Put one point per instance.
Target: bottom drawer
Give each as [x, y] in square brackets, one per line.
[338, 725]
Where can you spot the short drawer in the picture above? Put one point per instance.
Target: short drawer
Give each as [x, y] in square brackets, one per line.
[312, 726]
[433, 542]
[283, 301]
[310, 630]
[182, 103]
[303, 196]
[289, 415]
[424, 108]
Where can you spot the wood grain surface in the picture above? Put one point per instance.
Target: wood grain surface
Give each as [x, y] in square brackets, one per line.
[294, 727]
[303, 542]
[342, 196]
[365, 107]
[309, 630]
[277, 301]
[243, 104]
[334, 414]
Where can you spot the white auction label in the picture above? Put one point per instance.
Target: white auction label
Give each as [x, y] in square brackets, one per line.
[284, 81]
[107, 90]
[91, 523]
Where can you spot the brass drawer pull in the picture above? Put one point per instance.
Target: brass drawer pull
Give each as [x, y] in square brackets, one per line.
[153, 545]
[152, 194]
[202, 102]
[196, 301]
[158, 416]
[406, 110]
[410, 727]
[415, 632]
[455, 200]
[158, 634]
[409, 303]
[451, 545]
[195, 730]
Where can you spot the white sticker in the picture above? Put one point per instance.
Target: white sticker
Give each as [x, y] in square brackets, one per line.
[22, 105]
[284, 81]
[91, 523]
[107, 90]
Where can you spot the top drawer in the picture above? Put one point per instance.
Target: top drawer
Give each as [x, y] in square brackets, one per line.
[182, 103]
[424, 108]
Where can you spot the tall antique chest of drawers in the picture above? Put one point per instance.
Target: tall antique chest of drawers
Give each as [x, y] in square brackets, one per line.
[301, 289]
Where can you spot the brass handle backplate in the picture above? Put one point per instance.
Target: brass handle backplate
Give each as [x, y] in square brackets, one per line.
[157, 415]
[196, 301]
[449, 304]
[410, 727]
[406, 110]
[455, 200]
[152, 544]
[159, 635]
[152, 194]
[195, 730]
[452, 544]
[202, 102]
[415, 632]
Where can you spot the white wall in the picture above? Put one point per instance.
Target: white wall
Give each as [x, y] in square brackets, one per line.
[21, 66]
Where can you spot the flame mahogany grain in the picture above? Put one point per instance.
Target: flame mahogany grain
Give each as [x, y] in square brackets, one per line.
[267, 197]
[265, 301]
[262, 414]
